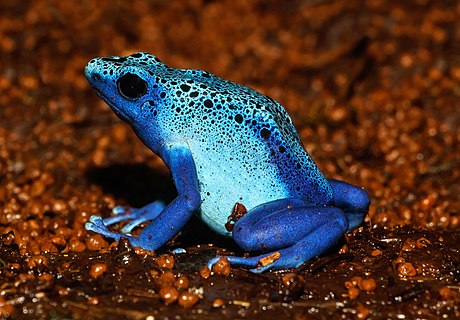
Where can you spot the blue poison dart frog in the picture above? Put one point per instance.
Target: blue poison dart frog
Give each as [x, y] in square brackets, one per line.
[226, 145]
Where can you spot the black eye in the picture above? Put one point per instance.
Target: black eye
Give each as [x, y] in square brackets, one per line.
[131, 86]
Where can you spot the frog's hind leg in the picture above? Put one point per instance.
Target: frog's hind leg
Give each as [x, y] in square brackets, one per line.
[292, 257]
[291, 230]
[137, 215]
[352, 200]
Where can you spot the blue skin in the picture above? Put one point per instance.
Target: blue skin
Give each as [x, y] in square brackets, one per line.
[224, 143]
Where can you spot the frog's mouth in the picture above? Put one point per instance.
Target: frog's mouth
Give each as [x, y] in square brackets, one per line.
[119, 112]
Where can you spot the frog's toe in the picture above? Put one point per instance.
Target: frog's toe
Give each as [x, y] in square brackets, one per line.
[96, 224]
[119, 210]
[95, 220]
[138, 216]
[134, 223]
[127, 215]
[251, 262]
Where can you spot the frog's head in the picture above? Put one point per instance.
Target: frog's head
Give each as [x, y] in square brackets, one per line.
[129, 85]
[124, 82]
[163, 103]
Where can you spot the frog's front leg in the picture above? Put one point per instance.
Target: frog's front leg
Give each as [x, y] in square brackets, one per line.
[291, 230]
[167, 222]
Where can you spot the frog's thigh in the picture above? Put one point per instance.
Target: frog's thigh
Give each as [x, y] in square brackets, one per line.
[283, 223]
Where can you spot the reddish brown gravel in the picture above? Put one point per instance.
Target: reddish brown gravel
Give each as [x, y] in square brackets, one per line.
[373, 87]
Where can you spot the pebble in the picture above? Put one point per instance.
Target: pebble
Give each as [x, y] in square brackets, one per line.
[406, 269]
[96, 242]
[168, 294]
[218, 302]
[222, 267]
[97, 269]
[182, 282]
[166, 279]
[188, 300]
[165, 261]
[205, 272]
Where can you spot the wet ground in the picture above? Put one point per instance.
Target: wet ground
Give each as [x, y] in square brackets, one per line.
[372, 87]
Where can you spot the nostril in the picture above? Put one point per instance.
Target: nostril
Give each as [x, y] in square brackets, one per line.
[96, 77]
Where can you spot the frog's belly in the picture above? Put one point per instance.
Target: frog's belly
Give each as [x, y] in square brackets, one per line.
[222, 189]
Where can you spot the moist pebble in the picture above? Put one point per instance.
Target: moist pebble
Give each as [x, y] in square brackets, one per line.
[96, 242]
[222, 267]
[406, 269]
[169, 294]
[188, 300]
[165, 261]
[182, 283]
[97, 270]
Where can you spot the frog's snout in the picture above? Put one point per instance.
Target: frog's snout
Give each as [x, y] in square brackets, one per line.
[90, 72]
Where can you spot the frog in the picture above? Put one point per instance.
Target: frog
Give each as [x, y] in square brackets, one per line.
[225, 144]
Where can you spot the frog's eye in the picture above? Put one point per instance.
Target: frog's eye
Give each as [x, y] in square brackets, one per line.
[131, 86]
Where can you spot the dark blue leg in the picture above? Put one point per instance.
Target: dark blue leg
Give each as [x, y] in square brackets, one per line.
[353, 201]
[298, 228]
[167, 222]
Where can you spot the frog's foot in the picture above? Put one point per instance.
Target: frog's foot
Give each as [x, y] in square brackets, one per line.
[272, 261]
[97, 225]
[137, 215]
[240, 261]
